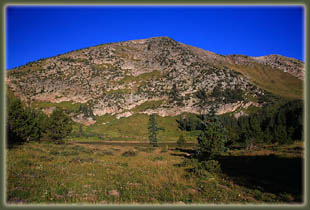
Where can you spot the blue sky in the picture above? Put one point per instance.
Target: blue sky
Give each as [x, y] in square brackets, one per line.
[39, 32]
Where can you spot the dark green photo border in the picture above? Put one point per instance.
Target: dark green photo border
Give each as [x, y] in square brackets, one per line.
[3, 4]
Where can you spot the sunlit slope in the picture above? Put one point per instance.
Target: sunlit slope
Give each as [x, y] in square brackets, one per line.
[273, 80]
[134, 128]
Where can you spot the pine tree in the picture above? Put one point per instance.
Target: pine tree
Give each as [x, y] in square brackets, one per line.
[255, 129]
[153, 129]
[81, 133]
[212, 138]
[16, 122]
[59, 126]
[23, 123]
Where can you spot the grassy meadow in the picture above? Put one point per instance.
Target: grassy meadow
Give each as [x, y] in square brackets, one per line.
[48, 173]
[272, 80]
[134, 128]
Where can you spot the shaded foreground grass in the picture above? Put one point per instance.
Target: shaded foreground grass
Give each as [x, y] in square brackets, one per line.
[109, 174]
[278, 170]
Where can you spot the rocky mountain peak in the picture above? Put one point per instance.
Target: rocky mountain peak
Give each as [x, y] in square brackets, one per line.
[155, 75]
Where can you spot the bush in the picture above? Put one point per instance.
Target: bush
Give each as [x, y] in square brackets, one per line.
[213, 166]
[145, 149]
[106, 152]
[158, 158]
[165, 149]
[181, 141]
[258, 195]
[198, 168]
[129, 153]
[190, 162]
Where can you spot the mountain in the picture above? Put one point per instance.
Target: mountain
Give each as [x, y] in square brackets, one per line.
[155, 75]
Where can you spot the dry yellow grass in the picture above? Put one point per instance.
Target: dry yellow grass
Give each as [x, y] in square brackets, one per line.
[108, 174]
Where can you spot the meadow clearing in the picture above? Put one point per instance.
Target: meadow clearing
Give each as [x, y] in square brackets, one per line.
[99, 174]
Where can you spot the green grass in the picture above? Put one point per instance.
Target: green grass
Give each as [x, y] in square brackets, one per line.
[251, 109]
[66, 105]
[135, 128]
[101, 174]
[272, 80]
[148, 105]
[140, 78]
[119, 91]
[104, 67]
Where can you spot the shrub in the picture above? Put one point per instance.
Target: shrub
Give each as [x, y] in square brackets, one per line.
[213, 166]
[190, 162]
[129, 153]
[106, 152]
[165, 149]
[181, 141]
[258, 194]
[198, 168]
[145, 149]
[158, 158]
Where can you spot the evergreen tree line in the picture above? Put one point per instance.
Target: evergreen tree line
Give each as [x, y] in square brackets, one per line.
[276, 123]
[230, 96]
[27, 124]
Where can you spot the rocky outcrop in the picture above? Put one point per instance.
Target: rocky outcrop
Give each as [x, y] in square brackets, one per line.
[228, 108]
[291, 66]
[124, 114]
[84, 120]
[120, 77]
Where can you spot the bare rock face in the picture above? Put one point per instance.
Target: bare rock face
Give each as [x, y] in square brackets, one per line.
[49, 110]
[125, 114]
[155, 75]
[239, 114]
[228, 108]
[83, 120]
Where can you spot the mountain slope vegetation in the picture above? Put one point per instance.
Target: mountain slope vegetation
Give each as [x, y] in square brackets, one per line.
[158, 75]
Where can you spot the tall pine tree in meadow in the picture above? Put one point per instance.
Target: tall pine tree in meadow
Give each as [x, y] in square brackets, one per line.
[153, 129]
[212, 138]
[181, 141]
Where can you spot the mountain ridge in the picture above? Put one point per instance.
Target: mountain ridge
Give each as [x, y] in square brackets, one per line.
[117, 78]
[166, 37]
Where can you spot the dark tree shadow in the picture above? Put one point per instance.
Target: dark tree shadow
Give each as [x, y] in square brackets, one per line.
[186, 152]
[267, 173]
